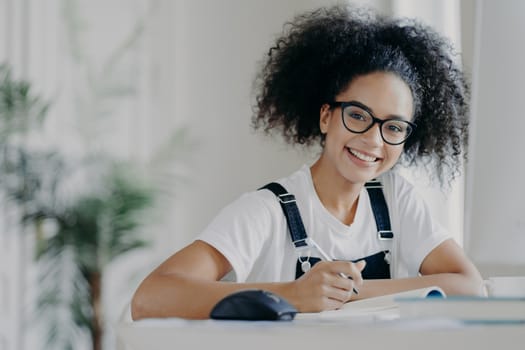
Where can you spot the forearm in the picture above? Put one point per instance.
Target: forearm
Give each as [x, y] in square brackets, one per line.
[174, 295]
[446, 266]
[192, 296]
[451, 283]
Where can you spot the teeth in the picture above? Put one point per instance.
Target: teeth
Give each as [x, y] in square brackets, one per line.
[362, 156]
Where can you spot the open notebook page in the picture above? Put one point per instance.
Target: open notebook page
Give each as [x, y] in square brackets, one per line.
[382, 307]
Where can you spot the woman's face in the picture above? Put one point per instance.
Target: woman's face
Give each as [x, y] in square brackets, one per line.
[361, 157]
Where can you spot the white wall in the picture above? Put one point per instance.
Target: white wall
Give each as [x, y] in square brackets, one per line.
[496, 187]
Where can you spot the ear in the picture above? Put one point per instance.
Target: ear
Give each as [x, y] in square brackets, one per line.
[325, 115]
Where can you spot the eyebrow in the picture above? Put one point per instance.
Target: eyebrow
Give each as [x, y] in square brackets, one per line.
[369, 110]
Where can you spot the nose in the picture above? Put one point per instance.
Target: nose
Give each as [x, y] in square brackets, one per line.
[373, 135]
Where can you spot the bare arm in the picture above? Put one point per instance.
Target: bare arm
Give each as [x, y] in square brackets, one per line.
[446, 266]
[187, 285]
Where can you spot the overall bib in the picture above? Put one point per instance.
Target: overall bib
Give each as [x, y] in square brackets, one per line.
[377, 264]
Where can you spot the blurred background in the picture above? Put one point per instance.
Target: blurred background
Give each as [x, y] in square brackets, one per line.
[125, 127]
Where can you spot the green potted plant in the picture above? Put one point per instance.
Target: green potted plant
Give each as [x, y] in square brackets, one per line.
[77, 236]
[84, 238]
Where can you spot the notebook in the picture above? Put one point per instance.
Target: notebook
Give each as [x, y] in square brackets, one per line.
[376, 308]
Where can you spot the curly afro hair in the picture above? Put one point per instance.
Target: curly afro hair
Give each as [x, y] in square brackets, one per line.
[321, 52]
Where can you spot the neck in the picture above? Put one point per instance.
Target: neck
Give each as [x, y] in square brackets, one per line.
[338, 195]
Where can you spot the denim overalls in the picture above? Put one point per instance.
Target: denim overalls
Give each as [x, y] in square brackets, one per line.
[377, 265]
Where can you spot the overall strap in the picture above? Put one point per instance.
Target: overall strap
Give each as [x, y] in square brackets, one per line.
[380, 209]
[295, 223]
[291, 211]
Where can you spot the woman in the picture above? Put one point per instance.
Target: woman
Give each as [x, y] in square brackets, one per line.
[372, 91]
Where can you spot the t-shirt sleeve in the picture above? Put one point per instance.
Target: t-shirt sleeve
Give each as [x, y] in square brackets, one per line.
[419, 232]
[240, 230]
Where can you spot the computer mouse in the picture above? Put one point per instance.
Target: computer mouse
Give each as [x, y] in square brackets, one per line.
[253, 305]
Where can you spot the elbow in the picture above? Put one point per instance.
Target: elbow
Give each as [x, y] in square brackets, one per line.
[472, 283]
[474, 286]
[138, 306]
[137, 310]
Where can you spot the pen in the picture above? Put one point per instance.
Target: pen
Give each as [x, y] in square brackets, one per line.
[325, 256]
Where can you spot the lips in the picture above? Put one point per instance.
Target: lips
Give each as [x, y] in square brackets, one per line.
[362, 156]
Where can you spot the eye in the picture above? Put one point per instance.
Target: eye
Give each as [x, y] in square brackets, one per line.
[357, 116]
[395, 127]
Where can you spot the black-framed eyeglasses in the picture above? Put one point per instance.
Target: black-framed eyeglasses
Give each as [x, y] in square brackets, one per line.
[358, 118]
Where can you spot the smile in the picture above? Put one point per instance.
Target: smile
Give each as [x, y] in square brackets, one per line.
[361, 156]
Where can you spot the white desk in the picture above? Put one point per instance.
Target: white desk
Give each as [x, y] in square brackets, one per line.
[308, 334]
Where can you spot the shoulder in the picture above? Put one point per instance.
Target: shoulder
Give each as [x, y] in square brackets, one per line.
[254, 205]
[262, 202]
[299, 183]
[396, 186]
[403, 197]
[407, 202]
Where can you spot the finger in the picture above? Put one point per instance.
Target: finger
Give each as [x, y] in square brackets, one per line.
[332, 304]
[349, 269]
[361, 264]
[331, 276]
[327, 276]
[358, 267]
[340, 295]
[342, 281]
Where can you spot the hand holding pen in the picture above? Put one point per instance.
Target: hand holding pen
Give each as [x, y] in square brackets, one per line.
[326, 257]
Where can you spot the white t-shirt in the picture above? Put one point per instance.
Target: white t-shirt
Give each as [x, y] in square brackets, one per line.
[253, 235]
